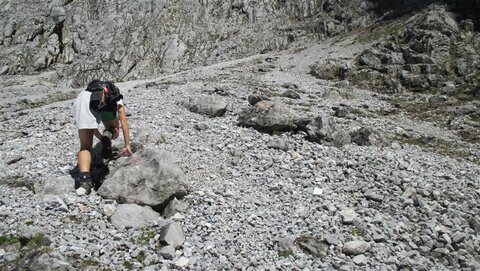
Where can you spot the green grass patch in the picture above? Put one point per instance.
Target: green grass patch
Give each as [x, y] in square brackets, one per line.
[91, 262]
[9, 240]
[286, 254]
[357, 231]
[73, 219]
[146, 235]
[373, 34]
[141, 257]
[128, 265]
[36, 242]
[438, 145]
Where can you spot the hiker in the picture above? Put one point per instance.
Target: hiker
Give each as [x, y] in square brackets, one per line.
[100, 101]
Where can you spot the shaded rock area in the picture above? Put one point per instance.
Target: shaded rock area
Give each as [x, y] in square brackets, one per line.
[148, 178]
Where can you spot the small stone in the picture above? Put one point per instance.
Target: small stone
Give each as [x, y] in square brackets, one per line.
[475, 224]
[168, 252]
[55, 202]
[360, 259]
[372, 195]
[348, 216]
[150, 259]
[172, 234]
[396, 146]
[178, 216]
[317, 191]
[182, 262]
[82, 207]
[109, 210]
[355, 247]
[458, 237]
[81, 191]
[379, 238]
[445, 238]
[332, 239]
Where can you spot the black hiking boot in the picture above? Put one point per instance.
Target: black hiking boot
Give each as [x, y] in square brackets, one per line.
[106, 140]
[85, 181]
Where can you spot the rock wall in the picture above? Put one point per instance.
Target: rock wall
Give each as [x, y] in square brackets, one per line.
[431, 51]
[123, 40]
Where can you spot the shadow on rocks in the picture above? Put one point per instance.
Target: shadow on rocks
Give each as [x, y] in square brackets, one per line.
[98, 170]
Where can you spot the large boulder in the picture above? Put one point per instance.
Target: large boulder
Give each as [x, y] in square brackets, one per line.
[211, 106]
[268, 116]
[149, 177]
[320, 129]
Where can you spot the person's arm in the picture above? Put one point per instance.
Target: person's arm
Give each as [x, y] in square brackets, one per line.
[122, 116]
[97, 134]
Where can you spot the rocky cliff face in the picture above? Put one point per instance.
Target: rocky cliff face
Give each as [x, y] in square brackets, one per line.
[124, 40]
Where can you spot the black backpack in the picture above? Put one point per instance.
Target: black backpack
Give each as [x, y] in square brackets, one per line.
[105, 96]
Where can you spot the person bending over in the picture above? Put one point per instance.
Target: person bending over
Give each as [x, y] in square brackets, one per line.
[100, 101]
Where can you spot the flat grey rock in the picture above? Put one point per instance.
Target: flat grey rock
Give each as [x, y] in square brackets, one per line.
[56, 186]
[55, 202]
[348, 216]
[172, 234]
[168, 252]
[355, 247]
[132, 215]
[212, 106]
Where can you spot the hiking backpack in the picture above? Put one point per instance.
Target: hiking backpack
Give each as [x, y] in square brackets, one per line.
[105, 96]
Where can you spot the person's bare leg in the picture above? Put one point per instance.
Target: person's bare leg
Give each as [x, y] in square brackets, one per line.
[85, 153]
[112, 126]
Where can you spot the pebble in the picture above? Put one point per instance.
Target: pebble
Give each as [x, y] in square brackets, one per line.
[81, 191]
[360, 259]
[348, 216]
[355, 247]
[317, 191]
[109, 210]
[182, 262]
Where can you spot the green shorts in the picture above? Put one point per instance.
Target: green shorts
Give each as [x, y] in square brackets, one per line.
[108, 116]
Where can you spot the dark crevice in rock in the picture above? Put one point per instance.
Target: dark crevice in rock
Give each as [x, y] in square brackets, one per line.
[389, 10]
[161, 207]
[59, 31]
[40, 32]
[129, 70]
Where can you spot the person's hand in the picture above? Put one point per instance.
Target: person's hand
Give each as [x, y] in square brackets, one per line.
[126, 151]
